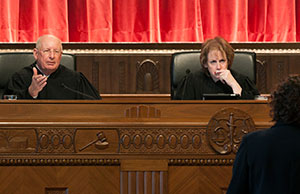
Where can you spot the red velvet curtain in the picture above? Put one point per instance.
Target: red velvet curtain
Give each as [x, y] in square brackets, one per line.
[150, 20]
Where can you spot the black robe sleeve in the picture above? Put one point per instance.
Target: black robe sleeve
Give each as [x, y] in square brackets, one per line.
[249, 90]
[87, 88]
[63, 84]
[19, 83]
[186, 88]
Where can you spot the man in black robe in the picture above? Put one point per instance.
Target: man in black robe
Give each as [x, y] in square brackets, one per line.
[47, 79]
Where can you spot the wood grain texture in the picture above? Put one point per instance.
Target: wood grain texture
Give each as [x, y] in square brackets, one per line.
[78, 180]
[147, 182]
[144, 165]
[195, 180]
[95, 147]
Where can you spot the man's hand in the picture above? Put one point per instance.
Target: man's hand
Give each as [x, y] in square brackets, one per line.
[38, 82]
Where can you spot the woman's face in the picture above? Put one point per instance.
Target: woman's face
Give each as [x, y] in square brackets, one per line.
[216, 62]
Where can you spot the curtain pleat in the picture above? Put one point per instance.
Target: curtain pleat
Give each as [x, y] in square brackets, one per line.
[38, 17]
[180, 21]
[226, 18]
[9, 20]
[272, 21]
[150, 21]
[90, 20]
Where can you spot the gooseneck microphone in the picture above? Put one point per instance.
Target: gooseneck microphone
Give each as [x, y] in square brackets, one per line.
[78, 92]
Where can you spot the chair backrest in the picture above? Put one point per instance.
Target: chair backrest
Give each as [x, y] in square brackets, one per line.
[183, 62]
[13, 62]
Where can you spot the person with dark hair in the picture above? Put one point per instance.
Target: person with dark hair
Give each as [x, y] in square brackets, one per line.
[46, 78]
[216, 75]
[268, 161]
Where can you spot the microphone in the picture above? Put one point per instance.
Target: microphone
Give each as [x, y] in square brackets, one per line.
[78, 92]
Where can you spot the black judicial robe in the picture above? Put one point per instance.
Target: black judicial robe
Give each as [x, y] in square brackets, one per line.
[194, 85]
[55, 87]
[268, 162]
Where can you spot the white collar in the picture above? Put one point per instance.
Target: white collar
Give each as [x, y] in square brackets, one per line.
[41, 71]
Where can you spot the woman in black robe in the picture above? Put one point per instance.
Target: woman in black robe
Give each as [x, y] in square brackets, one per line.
[216, 75]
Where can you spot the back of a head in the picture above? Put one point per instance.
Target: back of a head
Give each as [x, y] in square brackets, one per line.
[285, 101]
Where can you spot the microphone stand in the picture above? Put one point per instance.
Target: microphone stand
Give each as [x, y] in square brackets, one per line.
[78, 92]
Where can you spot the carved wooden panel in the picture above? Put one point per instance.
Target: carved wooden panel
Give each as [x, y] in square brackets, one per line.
[141, 73]
[42, 179]
[122, 147]
[148, 182]
[261, 75]
[97, 140]
[142, 111]
[144, 176]
[17, 140]
[58, 140]
[226, 129]
[224, 133]
[163, 140]
[199, 179]
[127, 74]
[55, 140]
[274, 68]
[147, 80]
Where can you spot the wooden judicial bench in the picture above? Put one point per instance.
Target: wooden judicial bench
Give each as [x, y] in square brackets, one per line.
[128, 146]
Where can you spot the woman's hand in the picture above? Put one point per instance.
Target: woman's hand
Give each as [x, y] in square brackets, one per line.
[225, 76]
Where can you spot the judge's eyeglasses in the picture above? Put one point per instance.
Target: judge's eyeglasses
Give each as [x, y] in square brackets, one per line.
[49, 51]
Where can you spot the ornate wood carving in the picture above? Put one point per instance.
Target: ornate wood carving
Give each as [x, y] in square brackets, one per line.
[280, 73]
[177, 135]
[100, 142]
[147, 77]
[122, 77]
[95, 74]
[162, 140]
[226, 129]
[21, 141]
[200, 162]
[142, 111]
[261, 76]
[144, 182]
[96, 141]
[55, 140]
[59, 161]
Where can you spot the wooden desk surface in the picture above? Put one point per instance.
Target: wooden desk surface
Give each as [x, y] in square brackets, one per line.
[173, 140]
[111, 110]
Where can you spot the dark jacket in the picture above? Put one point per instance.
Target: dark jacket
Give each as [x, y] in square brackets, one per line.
[268, 162]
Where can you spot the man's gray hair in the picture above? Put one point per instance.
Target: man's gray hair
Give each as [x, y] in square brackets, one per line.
[40, 40]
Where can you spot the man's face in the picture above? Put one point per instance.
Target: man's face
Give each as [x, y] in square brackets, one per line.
[216, 61]
[48, 55]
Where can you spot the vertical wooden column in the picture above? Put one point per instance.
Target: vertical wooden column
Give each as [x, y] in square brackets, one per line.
[144, 177]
